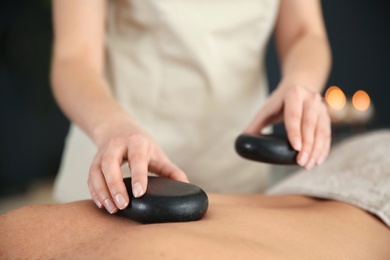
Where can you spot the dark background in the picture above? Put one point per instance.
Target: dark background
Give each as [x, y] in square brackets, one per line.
[33, 129]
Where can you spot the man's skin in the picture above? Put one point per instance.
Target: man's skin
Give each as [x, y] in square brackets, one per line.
[235, 227]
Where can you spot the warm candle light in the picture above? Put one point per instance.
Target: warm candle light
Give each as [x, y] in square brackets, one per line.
[355, 110]
[335, 98]
[361, 100]
[363, 109]
[336, 101]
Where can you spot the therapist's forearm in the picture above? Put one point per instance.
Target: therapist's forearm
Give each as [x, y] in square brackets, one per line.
[307, 62]
[84, 96]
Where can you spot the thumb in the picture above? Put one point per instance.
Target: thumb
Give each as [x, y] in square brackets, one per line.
[270, 113]
[164, 167]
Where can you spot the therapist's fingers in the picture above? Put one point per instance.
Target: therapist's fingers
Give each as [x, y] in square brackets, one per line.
[316, 134]
[307, 125]
[322, 138]
[94, 196]
[293, 110]
[105, 179]
[111, 161]
[308, 128]
[98, 187]
[138, 157]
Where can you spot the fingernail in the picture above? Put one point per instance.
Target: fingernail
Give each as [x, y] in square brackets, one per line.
[97, 202]
[302, 160]
[310, 164]
[296, 144]
[110, 206]
[120, 201]
[137, 190]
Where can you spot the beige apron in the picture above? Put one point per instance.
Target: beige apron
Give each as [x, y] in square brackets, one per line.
[191, 72]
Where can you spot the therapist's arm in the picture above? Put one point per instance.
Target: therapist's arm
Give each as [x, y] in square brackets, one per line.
[305, 60]
[84, 95]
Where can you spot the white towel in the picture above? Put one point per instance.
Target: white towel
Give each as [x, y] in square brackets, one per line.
[357, 172]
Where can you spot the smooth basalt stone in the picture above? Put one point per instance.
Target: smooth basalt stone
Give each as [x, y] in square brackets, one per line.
[166, 200]
[266, 148]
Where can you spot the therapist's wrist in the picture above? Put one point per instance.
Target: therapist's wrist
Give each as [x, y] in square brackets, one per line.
[293, 82]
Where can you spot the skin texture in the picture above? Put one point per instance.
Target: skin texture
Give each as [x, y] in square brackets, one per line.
[85, 97]
[235, 226]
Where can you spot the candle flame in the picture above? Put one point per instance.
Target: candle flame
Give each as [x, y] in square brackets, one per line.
[361, 100]
[335, 98]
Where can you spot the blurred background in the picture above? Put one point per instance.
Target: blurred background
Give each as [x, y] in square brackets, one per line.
[33, 128]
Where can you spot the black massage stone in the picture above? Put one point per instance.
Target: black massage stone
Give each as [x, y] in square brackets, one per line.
[266, 148]
[166, 200]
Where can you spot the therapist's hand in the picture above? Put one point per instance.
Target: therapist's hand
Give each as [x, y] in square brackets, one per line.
[120, 141]
[306, 120]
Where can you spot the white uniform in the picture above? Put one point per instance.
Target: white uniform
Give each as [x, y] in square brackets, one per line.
[191, 72]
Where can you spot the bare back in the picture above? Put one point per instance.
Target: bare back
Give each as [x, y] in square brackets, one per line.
[243, 226]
